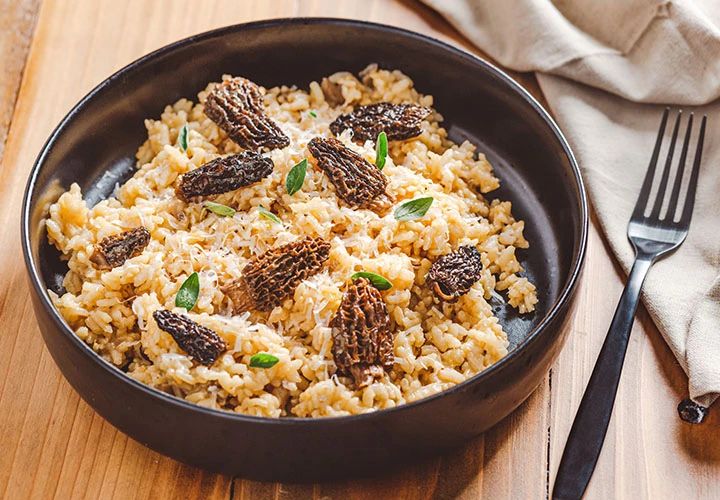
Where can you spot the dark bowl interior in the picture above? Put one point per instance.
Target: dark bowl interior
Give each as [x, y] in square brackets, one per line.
[95, 147]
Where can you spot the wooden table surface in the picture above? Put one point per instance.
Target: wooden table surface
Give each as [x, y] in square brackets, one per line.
[54, 445]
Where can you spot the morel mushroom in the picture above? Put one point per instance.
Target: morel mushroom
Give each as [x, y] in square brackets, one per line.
[236, 106]
[224, 174]
[362, 337]
[453, 275]
[272, 277]
[200, 342]
[332, 92]
[114, 250]
[398, 121]
[357, 183]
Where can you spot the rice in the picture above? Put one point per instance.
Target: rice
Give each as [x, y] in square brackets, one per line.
[436, 345]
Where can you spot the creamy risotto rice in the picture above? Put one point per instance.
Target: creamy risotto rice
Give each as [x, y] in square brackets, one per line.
[437, 344]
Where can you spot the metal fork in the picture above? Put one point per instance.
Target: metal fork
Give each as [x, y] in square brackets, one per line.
[652, 236]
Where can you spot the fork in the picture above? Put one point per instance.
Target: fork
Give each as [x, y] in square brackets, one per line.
[653, 236]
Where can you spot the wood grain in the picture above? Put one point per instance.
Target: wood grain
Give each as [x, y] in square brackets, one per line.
[54, 445]
[16, 25]
[649, 452]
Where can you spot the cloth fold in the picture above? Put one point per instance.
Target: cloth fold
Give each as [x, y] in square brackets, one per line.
[607, 69]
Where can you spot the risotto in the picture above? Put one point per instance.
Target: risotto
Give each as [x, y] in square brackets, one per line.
[254, 263]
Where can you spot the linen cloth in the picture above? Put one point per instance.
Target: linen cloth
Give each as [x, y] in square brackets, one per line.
[607, 69]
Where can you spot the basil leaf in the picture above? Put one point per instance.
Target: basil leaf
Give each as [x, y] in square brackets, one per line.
[313, 113]
[381, 148]
[220, 209]
[267, 214]
[296, 177]
[188, 294]
[182, 137]
[263, 360]
[379, 282]
[413, 209]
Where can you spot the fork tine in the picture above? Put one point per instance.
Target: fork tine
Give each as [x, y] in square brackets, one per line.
[672, 206]
[692, 185]
[642, 201]
[660, 196]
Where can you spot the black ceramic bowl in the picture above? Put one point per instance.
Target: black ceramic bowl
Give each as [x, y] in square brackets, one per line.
[95, 145]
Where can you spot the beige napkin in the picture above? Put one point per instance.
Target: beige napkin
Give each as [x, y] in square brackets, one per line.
[607, 69]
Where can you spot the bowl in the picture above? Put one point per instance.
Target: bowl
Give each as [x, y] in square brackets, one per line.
[95, 144]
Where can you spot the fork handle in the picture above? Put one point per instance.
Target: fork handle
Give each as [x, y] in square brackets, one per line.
[591, 421]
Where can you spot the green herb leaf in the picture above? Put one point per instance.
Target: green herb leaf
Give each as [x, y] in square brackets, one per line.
[182, 137]
[313, 113]
[413, 209]
[188, 294]
[267, 214]
[296, 177]
[263, 360]
[220, 209]
[379, 282]
[381, 148]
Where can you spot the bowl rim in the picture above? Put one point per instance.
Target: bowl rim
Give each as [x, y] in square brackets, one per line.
[42, 293]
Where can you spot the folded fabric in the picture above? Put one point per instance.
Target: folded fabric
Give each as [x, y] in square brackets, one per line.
[607, 69]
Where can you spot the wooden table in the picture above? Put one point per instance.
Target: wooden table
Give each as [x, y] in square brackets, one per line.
[54, 445]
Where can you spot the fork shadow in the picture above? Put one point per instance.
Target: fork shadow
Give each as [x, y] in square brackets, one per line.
[701, 442]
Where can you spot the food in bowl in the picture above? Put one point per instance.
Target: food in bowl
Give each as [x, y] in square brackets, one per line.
[286, 252]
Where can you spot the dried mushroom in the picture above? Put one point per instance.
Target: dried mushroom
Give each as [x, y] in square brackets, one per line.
[200, 342]
[358, 183]
[398, 121]
[114, 250]
[236, 106]
[272, 277]
[224, 174]
[362, 338]
[453, 274]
